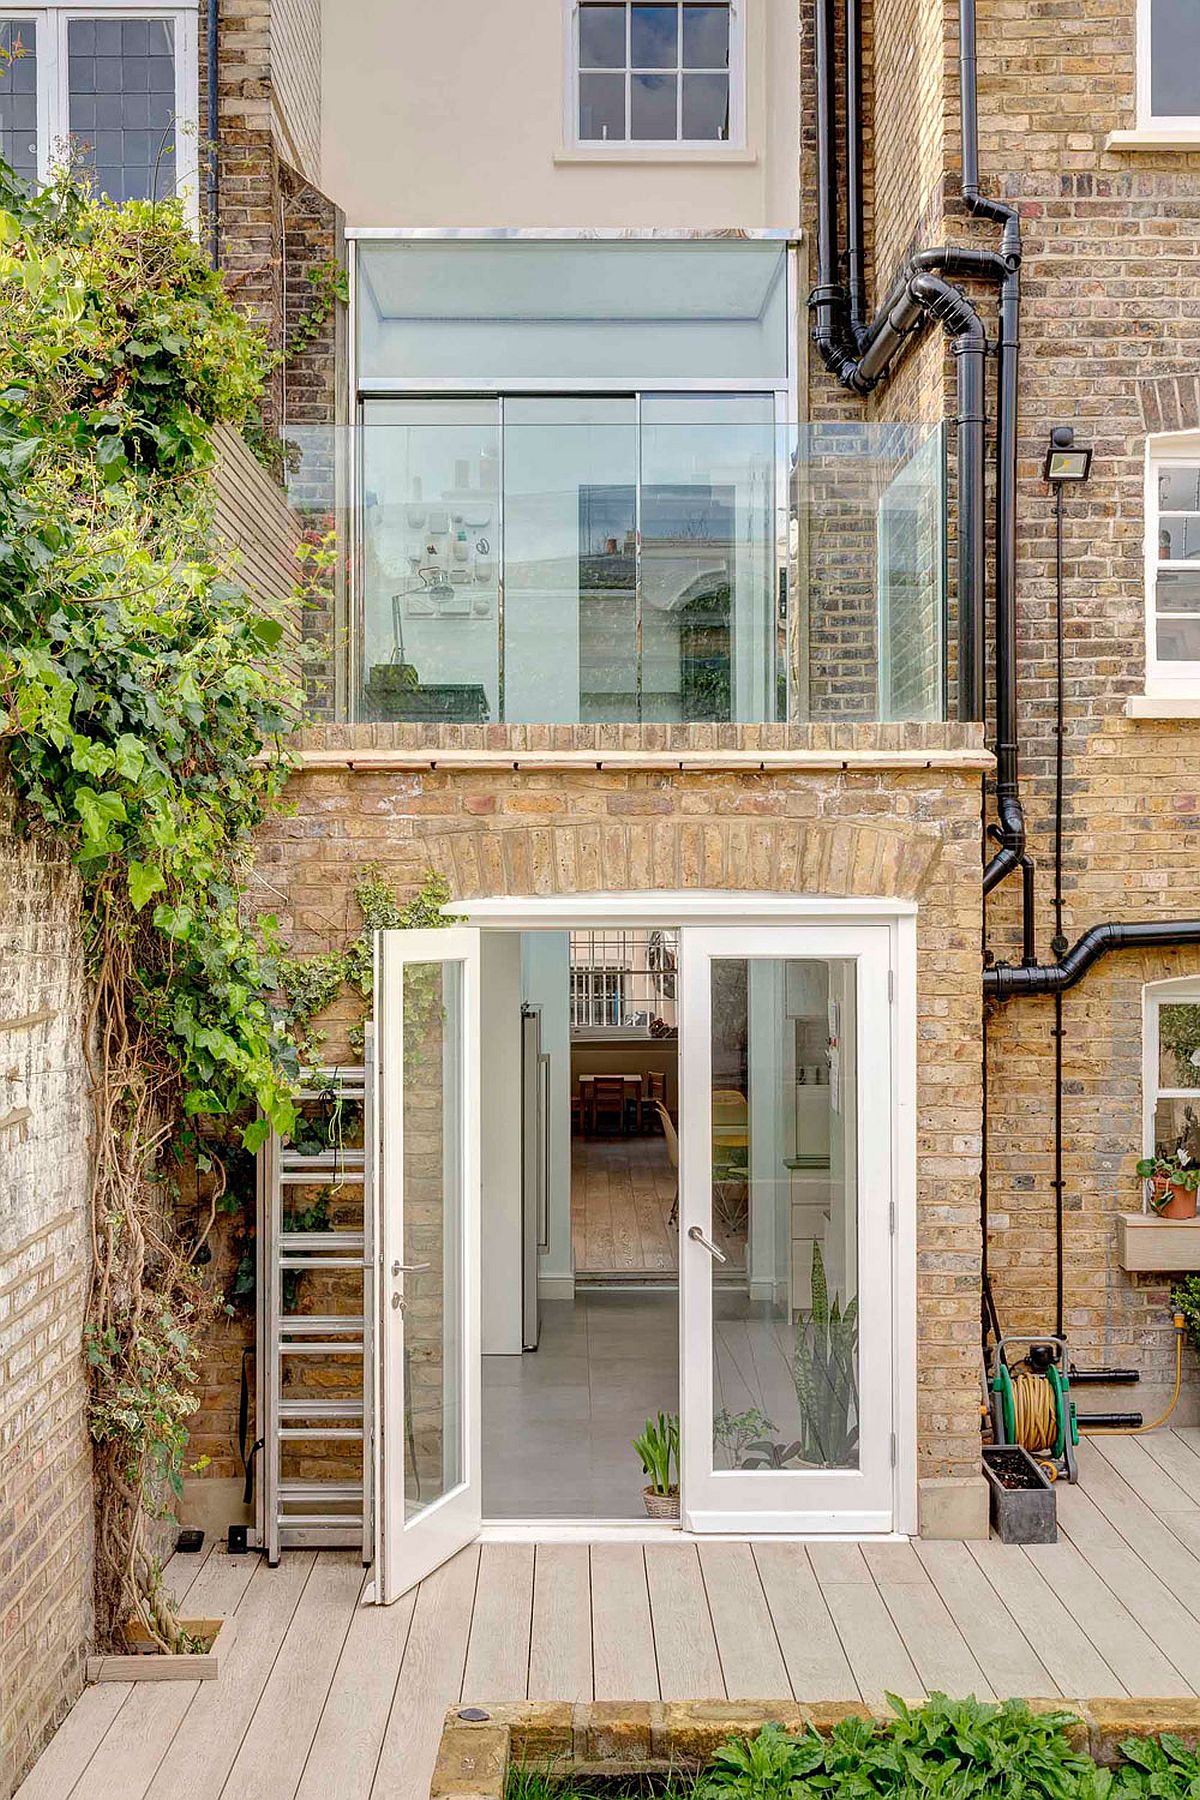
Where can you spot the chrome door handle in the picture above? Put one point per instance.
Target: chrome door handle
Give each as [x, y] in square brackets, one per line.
[698, 1237]
[399, 1268]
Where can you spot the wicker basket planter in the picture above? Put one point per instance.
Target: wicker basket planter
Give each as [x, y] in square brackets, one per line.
[661, 1506]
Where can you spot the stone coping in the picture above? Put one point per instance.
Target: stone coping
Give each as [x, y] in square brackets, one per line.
[614, 1737]
[754, 749]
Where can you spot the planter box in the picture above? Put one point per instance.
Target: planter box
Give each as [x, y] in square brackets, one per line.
[1027, 1515]
[1149, 1245]
[151, 1665]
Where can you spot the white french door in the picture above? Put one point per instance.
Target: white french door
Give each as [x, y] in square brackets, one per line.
[787, 1128]
[427, 1350]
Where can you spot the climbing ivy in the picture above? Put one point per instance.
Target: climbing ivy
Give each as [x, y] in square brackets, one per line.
[144, 699]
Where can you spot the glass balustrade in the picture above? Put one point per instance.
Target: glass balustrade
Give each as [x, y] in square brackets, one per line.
[643, 558]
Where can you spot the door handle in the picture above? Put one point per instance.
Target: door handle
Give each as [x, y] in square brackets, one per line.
[399, 1268]
[698, 1237]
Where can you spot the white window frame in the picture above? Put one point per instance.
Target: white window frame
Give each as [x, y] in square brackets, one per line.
[53, 88]
[643, 149]
[1155, 995]
[1165, 677]
[1146, 117]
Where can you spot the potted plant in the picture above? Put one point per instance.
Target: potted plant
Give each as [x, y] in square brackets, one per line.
[1173, 1181]
[658, 1449]
[1021, 1498]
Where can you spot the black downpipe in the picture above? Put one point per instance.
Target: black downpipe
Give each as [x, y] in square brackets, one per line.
[856, 274]
[214, 127]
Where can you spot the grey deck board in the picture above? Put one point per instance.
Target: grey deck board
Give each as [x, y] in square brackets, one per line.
[319, 1695]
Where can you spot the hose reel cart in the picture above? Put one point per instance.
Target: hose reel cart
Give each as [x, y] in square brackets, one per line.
[1030, 1402]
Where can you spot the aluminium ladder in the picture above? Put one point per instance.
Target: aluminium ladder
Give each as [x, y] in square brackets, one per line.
[311, 1511]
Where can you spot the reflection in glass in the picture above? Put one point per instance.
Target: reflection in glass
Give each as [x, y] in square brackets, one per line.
[653, 101]
[1179, 1044]
[601, 37]
[18, 96]
[432, 1186]
[1179, 487]
[654, 37]
[706, 37]
[1178, 639]
[784, 1174]
[601, 107]
[431, 526]
[706, 106]
[121, 94]
[1174, 79]
[570, 603]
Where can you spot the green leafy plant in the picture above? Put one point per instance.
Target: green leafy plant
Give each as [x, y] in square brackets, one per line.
[1160, 1768]
[1185, 1298]
[1179, 1030]
[658, 1451]
[824, 1370]
[739, 1431]
[1167, 1173]
[144, 698]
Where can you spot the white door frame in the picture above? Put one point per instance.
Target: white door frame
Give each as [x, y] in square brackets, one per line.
[695, 906]
[407, 1549]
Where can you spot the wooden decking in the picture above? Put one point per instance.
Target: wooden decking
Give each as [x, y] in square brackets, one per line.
[321, 1699]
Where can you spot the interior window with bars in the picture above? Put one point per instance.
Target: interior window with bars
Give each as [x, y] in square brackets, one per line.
[623, 981]
[654, 74]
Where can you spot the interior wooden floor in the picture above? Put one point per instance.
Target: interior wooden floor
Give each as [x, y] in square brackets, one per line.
[622, 1189]
[319, 1697]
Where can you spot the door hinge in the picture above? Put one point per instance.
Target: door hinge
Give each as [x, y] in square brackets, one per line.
[893, 1449]
[891, 987]
[891, 1218]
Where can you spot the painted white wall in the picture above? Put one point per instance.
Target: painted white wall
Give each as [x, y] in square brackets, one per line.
[500, 1120]
[545, 982]
[455, 115]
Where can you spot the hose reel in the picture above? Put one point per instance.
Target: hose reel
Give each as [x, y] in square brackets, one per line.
[1031, 1403]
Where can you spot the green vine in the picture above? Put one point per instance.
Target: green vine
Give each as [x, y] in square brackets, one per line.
[143, 701]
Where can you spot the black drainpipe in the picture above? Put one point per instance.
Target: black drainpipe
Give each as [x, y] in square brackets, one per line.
[214, 126]
[1004, 982]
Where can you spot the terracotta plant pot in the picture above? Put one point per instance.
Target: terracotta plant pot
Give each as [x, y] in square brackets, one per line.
[1180, 1203]
[661, 1506]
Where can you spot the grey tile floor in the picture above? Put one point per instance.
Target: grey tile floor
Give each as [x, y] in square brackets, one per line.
[558, 1422]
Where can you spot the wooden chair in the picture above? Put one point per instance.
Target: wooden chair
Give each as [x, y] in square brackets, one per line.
[654, 1094]
[672, 1137]
[609, 1101]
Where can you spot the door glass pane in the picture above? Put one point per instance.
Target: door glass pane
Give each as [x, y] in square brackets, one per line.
[433, 1247]
[784, 1182]
[430, 554]
[18, 96]
[570, 603]
[709, 649]
[121, 81]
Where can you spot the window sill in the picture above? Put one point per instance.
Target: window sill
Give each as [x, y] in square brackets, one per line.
[1163, 706]
[1150, 138]
[669, 153]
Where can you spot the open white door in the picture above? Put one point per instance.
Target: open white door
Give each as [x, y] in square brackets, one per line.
[427, 1349]
[788, 1123]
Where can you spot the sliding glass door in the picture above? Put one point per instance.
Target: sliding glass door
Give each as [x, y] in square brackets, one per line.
[570, 559]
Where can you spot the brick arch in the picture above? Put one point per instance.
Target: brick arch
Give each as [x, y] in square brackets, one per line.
[1170, 402]
[783, 856]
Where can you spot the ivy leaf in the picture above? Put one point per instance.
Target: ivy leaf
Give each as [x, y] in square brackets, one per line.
[268, 632]
[111, 457]
[98, 813]
[144, 880]
[177, 922]
[255, 1135]
[129, 756]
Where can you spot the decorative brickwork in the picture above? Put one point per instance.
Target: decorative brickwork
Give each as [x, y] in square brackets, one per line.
[45, 1460]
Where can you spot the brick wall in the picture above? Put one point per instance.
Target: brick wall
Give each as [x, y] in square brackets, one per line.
[877, 826]
[1111, 342]
[296, 80]
[45, 1460]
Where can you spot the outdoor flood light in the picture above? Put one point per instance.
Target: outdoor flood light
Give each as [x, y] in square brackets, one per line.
[1065, 459]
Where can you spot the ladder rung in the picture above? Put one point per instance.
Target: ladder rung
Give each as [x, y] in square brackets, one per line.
[320, 1409]
[292, 1243]
[310, 1178]
[351, 1158]
[324, 1432]
[320, 1490]
[322, 1262]
[323, 1347]
[319, 1324]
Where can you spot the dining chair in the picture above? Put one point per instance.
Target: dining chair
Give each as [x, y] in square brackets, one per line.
[609, 1101]
[672, 1137]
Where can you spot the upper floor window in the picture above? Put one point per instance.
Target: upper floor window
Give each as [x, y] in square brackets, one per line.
[657, 74]
[1173, 563]
[114, 86]
[1168, 67]
[1171, 1069]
